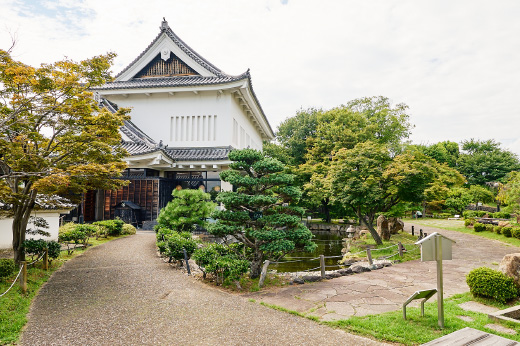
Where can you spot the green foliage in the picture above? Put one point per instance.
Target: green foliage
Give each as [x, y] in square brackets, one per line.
[480, 194]
[469, 222]
[506, 231]
[479, 227]
[187, 209]
[7, 267]
[489, 227]
[500, 215]
[491, 283]
[458, 199]
[36, 248]
[443, 152]
[509, 193]
[515, 232]
[55, 138]
[73, 236]
[260, 214]
[128, 229]
[485, 161]
[112, 227]
[172, 244]
[497, 229]
[221, 261]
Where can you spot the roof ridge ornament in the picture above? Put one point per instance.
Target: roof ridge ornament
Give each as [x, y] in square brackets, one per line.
[164, 25]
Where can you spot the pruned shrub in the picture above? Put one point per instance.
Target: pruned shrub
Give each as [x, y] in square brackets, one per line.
[36, 247]
[501, 215]
[489, 227]
[469, 214]
[480, 213]
[497, 229]
[128, 229]
[515, 232]
[221, 261]
[112, 227]
[507, 231]
[172, 244]
[7, 267]
[479, 227]
[469, 222]
[491, 283]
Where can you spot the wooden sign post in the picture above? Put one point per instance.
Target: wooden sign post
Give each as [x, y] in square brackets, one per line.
[437, 247]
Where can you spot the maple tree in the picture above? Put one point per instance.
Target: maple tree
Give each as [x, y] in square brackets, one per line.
[54, 137]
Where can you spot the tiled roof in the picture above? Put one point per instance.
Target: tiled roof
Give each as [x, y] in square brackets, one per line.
[199, 154]
[165, 28]
[180, 154]
[179, 81]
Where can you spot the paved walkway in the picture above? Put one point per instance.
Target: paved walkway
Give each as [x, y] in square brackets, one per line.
[388, 288]
[121, 293]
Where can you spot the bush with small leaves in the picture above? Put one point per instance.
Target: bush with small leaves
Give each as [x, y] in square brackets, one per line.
[479, 227]
[128, 229]
[489, 227]
[469, 214]
[469, 222]
[497, 229]
[491, 283]
[7, 267]
[34, 247]
[172, 244]
[507, 231]
[113, 227]
[221, 261]
[501, 215]
[515, 232]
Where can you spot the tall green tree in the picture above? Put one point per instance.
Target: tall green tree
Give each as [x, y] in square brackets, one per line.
[372, 119]
[260, 213]
[370, 181]
[54, 138]
[458, 199]
[444, 152]
[480, 194]
[484, 161]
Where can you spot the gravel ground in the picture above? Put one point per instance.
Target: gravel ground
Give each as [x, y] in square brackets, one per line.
[121, 293]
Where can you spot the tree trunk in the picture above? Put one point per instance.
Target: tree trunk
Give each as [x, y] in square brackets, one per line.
[373, 231]
[256, 265]
[326, 210]
[20, 219]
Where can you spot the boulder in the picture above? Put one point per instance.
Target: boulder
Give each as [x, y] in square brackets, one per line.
[311, 278]
[360, 269]
[382, 227]
[395, 225]
[333, 275]
[376, 266]
[503, 223]
[510, 266]
[346, 271]
[298, 281]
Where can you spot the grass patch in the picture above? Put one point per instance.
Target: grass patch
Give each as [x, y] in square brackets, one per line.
[416, 329]
[458, 226]
[249, 285]
[412, 251]
[14, 306]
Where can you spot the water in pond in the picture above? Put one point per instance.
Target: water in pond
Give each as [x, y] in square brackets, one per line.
[329, 244]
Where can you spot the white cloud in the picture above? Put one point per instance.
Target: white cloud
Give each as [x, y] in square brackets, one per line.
[454, 63]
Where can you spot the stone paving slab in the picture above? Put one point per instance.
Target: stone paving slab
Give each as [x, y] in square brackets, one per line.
[388, 288]
[477, 307]
[121, 293]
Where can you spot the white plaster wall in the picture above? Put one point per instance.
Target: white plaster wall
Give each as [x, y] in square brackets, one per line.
[153, 114]
[6, 232]
[249, 129]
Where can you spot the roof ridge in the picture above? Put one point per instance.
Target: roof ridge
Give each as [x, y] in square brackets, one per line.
[165, 29]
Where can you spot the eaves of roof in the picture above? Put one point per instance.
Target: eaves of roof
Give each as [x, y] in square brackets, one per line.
[165, 82]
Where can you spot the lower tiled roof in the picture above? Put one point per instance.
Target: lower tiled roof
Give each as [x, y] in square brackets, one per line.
[199, 154]
[164, 82]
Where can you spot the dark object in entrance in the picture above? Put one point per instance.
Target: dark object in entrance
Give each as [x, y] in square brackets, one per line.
[129, 212]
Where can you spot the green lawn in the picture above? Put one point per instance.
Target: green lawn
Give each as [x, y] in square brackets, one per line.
[417, 329]
[458, 225]
[388, 248]
[14, 306]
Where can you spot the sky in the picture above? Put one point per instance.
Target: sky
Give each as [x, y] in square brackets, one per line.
[456, 64]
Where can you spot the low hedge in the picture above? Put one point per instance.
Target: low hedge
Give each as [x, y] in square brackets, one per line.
[221, 261]
[479, 227]
[113, 227]
[7, 267]
[172, 244]
[491, 283]
[506, 230]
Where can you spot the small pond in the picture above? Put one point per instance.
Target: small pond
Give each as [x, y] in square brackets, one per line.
[329, 244]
